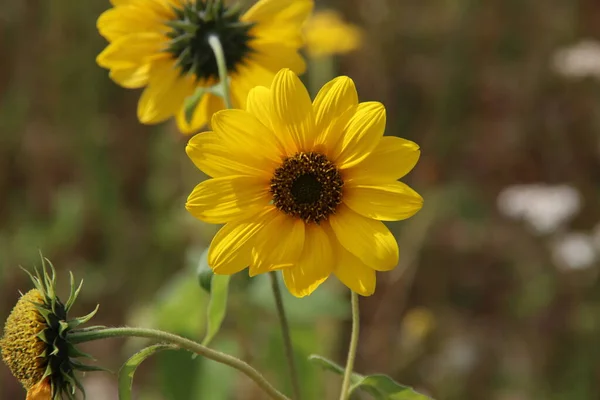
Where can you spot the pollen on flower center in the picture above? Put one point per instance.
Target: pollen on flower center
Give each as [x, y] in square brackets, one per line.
[307, 186]
[195, 22]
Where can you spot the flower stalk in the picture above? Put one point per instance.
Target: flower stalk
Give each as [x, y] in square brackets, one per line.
[183, 343]
[285, 332]
[345, 394]
[217, 47]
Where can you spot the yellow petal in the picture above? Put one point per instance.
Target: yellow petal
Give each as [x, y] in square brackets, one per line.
[273, 56]
[280, 11]
[221, 200]
[229, 250]
[254, 270]
[279, 20]
[259, 104]
[132, 50]
[208, 105]
[162, 8]
[164, 94]
[247, 137]
[369, 240]
[361, 135]
[249, 76]
[278, 245]
[288, 35]
[353, 273]
[392, 201]
[131, 78]
[292, 110]
[329, 140]
[326, 33]
[393, 158]
[126, 20]
[315, 264]
[333, 100]
[207, 152]
[40, 391]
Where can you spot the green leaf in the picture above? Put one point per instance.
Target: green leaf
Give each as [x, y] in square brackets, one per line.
[382, 387]
[217, 306]
[191, 103]
[178, 307]
[326, 364]
[204, 272]
[128, 369]
[178, 372]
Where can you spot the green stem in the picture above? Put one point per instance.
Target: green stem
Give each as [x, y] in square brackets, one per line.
[353, 346]
[285, 332]
[217, 47]
[321, 70]
[183, 343]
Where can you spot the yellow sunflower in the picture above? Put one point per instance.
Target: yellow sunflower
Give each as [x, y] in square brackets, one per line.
[326, 33]
[303, 186]
[162, 45]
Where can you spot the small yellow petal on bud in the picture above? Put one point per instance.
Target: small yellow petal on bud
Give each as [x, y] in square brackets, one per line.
[41, 391]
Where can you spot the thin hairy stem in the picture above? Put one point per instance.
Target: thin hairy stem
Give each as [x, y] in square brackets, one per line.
[183, 343]
[217, 47]
[352, 350]
[285, 332]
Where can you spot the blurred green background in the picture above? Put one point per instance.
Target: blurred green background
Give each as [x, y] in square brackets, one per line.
[482, 306]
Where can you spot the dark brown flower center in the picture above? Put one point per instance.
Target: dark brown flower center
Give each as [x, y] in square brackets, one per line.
[307, 186]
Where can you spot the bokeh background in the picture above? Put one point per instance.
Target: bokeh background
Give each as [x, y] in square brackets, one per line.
[497, 295]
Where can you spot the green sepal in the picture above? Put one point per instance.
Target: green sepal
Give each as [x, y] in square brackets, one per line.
[74, 323]
[180, 40]
[48, 372]
[63, 327]
[55, 350]
[43, 336]
[183, 25]
[89, 368]
[233, 11]
[74, 292]
[72, 384]
[44, 312]
[74, 352]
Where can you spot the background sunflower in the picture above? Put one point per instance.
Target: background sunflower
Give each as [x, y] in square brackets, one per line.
[162, 46]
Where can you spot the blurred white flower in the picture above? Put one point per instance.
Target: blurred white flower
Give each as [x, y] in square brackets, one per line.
[574, 250]
[459, 354]
[578, 61]
[543, 207]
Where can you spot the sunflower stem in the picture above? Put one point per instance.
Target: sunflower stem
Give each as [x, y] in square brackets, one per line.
[285, 332]
[217, 47]
[183, 343]
[352, 350]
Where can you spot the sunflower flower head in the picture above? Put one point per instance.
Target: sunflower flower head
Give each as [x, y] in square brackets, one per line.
[326, 34]
[303, 186]
[162, 45]
[35, 345]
